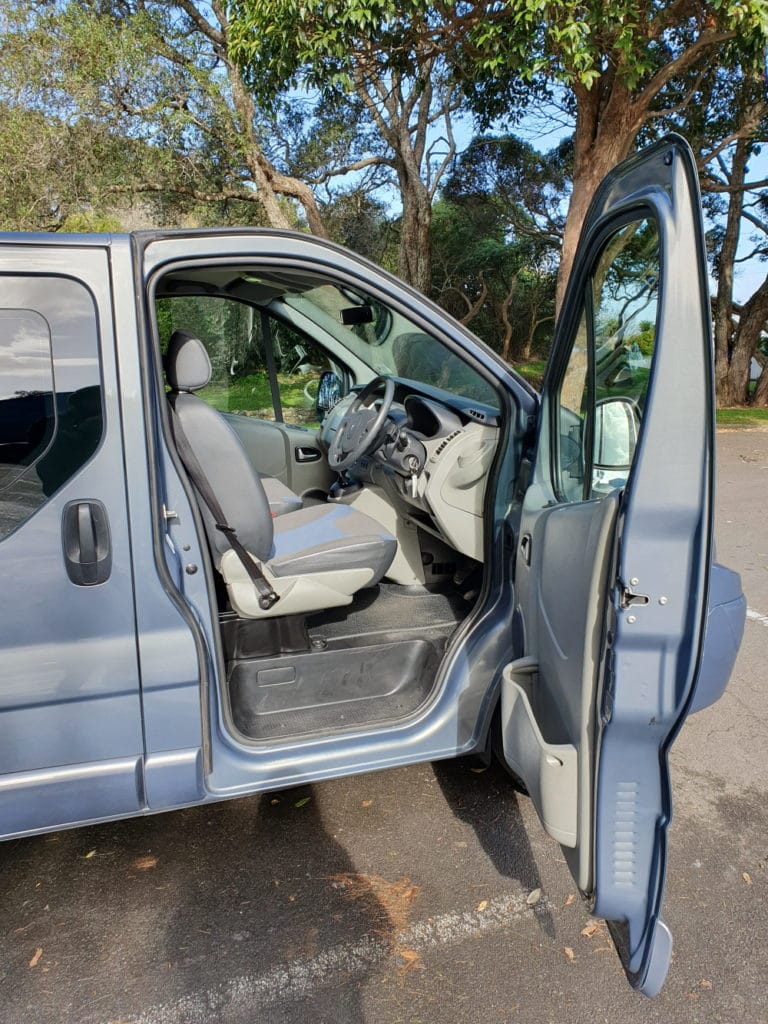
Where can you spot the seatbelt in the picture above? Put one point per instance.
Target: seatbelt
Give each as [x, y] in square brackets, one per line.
[267, 596]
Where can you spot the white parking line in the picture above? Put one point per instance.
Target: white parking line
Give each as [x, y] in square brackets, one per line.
[243, 997]
[757, 617]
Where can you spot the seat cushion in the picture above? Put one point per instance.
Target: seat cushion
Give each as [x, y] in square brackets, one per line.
[322, 538]
[281, 498]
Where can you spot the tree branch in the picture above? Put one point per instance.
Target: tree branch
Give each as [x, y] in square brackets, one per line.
[356, 165]
[202, 24]
[685, 60]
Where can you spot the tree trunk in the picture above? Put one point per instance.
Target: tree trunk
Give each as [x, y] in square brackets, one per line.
[268, 181]
[414, 262]
[731, 389]
[606, 126]
[760, 397]
[752, 323]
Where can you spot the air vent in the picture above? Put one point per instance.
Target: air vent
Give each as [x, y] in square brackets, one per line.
[445, 443]
[476, 414]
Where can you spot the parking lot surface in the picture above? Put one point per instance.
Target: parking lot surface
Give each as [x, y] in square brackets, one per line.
[426, 894]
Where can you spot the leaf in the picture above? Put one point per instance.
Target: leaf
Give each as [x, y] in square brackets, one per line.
[533, 897]
[590, 930]
[144, 863]
[482, 905]
[366, 803]
[304, 800]
[36, 958]
[747, 877]
[569, 899]
[89, 855]
[569, 953]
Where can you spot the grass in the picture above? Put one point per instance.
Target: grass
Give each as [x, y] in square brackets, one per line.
[533, 371]
[252, 393]
[742, 417]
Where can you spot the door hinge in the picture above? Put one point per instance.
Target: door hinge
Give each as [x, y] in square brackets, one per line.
[628, 598]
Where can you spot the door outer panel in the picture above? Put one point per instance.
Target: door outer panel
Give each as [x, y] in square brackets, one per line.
[70, 715]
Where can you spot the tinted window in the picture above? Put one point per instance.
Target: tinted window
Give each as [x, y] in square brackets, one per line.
[50, 392]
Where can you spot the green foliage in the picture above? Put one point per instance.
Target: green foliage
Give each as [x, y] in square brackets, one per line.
[278, 42]
[574, 44]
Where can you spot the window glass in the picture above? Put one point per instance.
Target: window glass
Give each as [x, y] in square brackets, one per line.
[574, 397]
[51, 417]
[625, 300]
[234, 336]
[388, 342]
[603, 391]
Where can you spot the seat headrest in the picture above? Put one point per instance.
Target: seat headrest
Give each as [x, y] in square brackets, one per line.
[187, 366]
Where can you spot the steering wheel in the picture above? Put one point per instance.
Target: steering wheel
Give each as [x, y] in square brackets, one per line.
[359, 432]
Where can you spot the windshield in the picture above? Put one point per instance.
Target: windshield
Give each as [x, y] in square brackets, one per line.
[388, 342]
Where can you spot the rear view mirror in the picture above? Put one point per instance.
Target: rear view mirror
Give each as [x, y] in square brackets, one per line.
[328, 393]
[353, 315]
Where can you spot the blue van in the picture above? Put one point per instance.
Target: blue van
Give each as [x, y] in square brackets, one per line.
[268, 516]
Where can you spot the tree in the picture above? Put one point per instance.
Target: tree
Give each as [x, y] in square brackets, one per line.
[614, 65]
[496, 239]
[159, 73]
[381, 55]
[727, 126]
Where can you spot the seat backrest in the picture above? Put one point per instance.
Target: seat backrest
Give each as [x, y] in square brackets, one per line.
[219, 452]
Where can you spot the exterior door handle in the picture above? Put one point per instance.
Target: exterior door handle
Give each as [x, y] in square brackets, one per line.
[86, 543]
[304, 453]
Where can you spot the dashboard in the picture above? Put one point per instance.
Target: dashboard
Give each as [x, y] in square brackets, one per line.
[432, 460]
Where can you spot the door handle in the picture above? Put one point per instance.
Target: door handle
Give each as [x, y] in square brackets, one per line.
[86, 542]
[304, 453]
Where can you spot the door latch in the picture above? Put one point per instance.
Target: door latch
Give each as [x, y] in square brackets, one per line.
[628, 598]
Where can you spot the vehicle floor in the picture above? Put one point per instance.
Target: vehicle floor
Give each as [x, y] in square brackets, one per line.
[370, 663]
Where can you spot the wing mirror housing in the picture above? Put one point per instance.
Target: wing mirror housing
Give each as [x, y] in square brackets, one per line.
[617, 426]
[328, 393]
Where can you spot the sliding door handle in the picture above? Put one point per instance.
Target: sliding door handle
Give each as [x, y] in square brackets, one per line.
[86, 543]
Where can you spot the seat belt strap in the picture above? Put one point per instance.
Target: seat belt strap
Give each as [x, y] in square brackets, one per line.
[267, 596]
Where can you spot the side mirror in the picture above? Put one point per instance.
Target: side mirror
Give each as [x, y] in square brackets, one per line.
[617, 426]
[328, 393]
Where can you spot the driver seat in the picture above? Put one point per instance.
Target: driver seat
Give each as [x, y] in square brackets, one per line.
[314, 558]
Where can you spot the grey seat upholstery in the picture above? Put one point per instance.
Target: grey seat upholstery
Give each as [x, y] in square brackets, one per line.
[315, 557]
[280, 498]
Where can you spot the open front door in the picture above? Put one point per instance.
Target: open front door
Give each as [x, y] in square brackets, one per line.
[614, 547]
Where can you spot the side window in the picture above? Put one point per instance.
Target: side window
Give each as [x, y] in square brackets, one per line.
[604, 388]
[51, 418]
[238, 339]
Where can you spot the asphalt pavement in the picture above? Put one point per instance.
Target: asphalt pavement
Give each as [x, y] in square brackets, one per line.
[427, 894]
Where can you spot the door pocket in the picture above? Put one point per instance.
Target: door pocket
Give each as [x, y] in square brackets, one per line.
[549, 770]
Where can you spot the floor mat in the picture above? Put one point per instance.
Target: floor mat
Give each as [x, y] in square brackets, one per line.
[390, 608]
